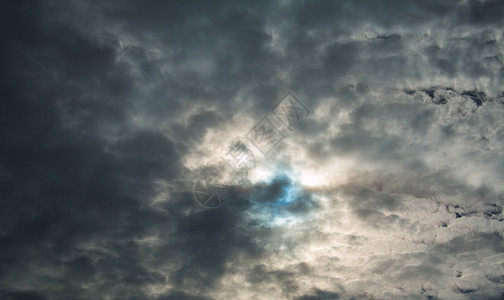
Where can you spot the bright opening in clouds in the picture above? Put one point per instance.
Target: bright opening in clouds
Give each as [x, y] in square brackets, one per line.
[252, 149]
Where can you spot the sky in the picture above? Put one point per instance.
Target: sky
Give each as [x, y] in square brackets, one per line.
[370, 136]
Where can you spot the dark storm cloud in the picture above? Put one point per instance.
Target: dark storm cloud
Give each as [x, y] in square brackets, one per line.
[103, 105]
[482, 13]
[215, 237]
[229, 35]
[64, 183]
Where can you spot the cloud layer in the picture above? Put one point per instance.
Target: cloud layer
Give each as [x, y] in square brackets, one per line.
[391, 188]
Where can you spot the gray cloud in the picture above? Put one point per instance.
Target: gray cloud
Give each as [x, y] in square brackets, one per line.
[390, 189]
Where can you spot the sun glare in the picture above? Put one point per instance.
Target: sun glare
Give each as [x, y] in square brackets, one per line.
[260, 174]
[312, 179]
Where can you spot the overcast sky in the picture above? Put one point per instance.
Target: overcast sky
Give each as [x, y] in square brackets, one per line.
[389, 186]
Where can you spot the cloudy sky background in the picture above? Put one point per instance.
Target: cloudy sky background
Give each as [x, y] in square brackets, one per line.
[390, 189]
